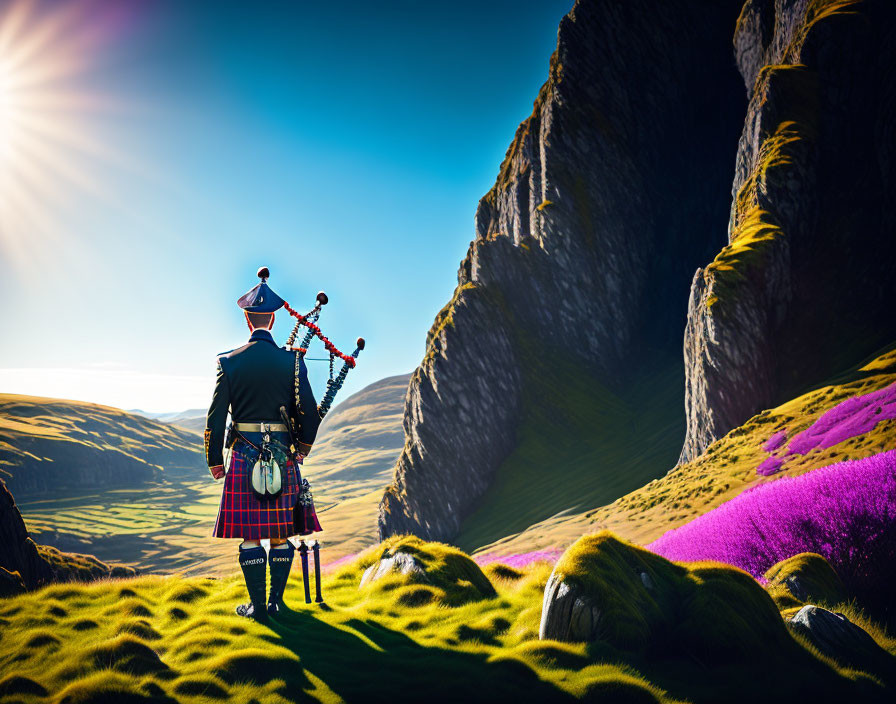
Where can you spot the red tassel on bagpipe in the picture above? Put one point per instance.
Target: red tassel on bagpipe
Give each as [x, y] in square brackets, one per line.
[304, 320]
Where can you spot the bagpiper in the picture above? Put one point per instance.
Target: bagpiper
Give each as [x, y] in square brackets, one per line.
[274, 422]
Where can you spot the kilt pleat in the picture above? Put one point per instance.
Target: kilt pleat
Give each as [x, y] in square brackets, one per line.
[244, 515]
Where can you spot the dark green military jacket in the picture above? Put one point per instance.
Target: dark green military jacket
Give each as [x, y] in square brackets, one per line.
[253, 382]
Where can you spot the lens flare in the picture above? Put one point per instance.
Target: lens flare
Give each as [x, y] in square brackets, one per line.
[47, 135]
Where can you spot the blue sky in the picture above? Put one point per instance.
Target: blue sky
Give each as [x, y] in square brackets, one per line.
[345, 147]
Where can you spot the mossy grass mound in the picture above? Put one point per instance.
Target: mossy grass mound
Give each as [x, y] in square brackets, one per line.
[644, 603]
[453, 577]
[366, 645]
[127, 654]
[497, 570]
[802, 579]
[16, 684]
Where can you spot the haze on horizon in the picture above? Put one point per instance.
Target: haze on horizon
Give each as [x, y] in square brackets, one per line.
[153, 155]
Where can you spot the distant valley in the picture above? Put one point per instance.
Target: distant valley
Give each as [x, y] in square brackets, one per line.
[191, 419]
[127, 488]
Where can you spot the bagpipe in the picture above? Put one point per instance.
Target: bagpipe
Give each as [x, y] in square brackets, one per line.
[305, 519]
[309, 320]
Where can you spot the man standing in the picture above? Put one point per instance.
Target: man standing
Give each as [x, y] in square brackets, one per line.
[261, 487]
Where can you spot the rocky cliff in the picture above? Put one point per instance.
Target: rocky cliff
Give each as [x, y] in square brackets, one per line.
[612, 192]
[806, 284]
[25, 565]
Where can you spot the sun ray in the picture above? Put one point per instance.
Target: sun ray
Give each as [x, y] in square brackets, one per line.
[50, 128]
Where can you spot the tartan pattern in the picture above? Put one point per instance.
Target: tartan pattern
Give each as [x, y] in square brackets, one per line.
[243, 515]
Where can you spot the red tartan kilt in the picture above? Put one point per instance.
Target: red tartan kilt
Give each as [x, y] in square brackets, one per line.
[243, 515]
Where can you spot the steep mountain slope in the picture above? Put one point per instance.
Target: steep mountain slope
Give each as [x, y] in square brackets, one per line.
[730, 466]
[574, 289]
[805, 286]
[52, 446]
[552, 379]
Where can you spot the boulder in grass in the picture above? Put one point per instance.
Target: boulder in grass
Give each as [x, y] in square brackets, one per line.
[606, 589]
[838, 637]
[399, 563]
[453, 575]
[803, 578]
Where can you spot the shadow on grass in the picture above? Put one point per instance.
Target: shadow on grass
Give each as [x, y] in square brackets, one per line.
[795, 675]
[366, 662]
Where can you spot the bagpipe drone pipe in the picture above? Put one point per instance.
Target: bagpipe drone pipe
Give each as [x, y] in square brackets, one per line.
[305, 519]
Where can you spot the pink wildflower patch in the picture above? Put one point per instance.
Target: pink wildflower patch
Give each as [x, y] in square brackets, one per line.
[854, 416]
[775, 441]
[846, 512]
[518, 561]
[769, 466]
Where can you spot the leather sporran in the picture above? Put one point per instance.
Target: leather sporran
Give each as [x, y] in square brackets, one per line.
[266, 477]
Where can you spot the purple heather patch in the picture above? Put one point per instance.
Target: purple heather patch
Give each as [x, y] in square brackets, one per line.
[518, 561]
[854, 416]
[769, 466]
[775, 441]
[846, 512]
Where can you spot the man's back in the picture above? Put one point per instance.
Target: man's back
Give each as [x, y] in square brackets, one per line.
[253, 382]
[261, 379]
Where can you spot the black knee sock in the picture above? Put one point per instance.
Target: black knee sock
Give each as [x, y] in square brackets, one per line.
[254, 564]
[280, 562]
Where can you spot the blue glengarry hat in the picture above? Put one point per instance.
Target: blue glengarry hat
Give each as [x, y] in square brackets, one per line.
[261, 299]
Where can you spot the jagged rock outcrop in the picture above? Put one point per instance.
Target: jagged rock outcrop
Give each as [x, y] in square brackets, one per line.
[584, 248]
[836, 636]
[18, 553]
[805, 286]
[24, 565]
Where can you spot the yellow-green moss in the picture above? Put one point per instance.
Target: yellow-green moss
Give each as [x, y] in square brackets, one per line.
[86, 648]
[815, 575]
[450, 575]
[644, 599]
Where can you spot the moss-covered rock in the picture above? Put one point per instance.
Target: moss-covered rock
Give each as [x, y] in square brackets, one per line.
[605, 589]
[406, 562]
[803, 578]
[839, 638]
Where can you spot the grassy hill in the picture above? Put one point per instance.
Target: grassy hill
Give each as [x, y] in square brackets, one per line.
[726, 469]
[51, 446]
[164, 524]
[177, 639]
[581, 445]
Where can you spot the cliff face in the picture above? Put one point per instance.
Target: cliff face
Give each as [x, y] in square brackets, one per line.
[611, 193]
[805, 286]
[25, 566]
[21, 566]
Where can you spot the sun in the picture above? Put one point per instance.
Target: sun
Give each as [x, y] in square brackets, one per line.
[45, 118]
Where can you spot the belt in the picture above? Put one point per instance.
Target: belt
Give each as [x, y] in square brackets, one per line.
[260, 427]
